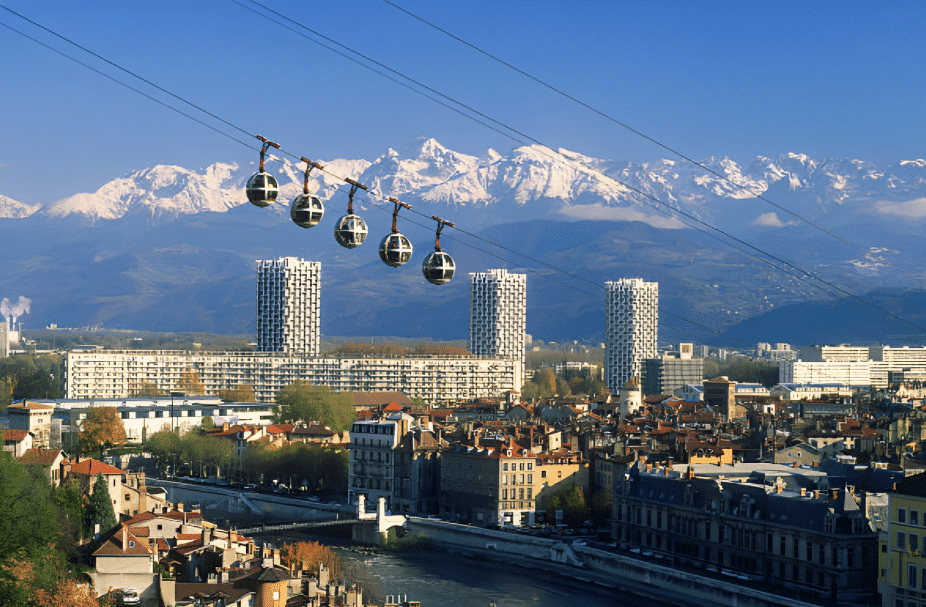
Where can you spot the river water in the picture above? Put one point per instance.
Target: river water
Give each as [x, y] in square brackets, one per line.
[445, 579]
[448, 579]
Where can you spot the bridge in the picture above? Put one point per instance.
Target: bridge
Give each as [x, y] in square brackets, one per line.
[369, 528]
[294, 526]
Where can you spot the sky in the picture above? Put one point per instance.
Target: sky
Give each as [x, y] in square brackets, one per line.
[735, 79]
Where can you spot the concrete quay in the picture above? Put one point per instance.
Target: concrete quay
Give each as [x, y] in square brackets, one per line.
[623, 573]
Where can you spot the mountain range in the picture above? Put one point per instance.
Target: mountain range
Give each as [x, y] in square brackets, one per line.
[173, 249]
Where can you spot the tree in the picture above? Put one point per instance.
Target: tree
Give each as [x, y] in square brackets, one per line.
[100, 509]
[102, 428]
[191, 383]
[302, 401]
[164, 445]
[242, 393]
[306, 556]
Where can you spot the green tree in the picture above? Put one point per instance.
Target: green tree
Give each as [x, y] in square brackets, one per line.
[302, 401]
[242, 393]
[562, 388]
[100, 509]
[103, 428]
[546, 379]
[28, 520]
[164, 445]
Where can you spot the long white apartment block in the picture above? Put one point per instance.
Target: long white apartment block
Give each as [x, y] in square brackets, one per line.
[498, 316]
[631, 329]
[838, 373]
[439, 378]
[831, 361]
[288, 295]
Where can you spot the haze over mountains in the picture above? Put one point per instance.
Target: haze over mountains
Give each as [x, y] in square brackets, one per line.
[169, 248]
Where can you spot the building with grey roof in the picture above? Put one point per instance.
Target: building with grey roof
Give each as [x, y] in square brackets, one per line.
[795, 529]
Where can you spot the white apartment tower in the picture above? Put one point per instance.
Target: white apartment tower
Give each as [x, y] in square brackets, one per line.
[498, 315]
[287, 306]
[632, 319]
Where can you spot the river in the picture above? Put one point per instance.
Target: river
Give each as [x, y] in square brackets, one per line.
[448, 579]
[445, 579]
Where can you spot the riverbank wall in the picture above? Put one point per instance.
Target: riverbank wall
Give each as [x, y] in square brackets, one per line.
[621, 572]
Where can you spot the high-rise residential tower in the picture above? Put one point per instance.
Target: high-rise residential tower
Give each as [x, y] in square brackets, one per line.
[287, 306]
[632, 318]
[498, 315]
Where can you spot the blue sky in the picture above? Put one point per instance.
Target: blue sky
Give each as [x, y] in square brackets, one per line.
[723, 79]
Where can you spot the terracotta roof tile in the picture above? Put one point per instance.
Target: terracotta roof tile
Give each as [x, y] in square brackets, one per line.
[92, 467]
[33, 406]
[15, 436]
[45, 457]
[113, 545]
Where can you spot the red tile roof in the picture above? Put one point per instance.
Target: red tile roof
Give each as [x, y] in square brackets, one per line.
[44, 457]
[92, 467]
[31, 405]
[113, 545]
[15, 436]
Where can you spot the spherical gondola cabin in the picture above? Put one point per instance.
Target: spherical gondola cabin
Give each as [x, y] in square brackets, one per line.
[262, 189]
[438, 268]
[350, 231]
[307, 210]
[395, 250]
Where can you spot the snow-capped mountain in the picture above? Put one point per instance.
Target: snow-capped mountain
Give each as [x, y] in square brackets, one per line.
[535, 182]
[172, 248]
[13, 209]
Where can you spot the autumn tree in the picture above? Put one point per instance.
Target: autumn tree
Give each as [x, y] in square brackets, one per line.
[191, 383]
[242, 393]
[103, 428]
[100, 509]
[302, 401]
[306, 556]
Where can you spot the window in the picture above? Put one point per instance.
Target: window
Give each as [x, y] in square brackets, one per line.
[911, 575]
[914, 517]
[543, 474]
[901, 515]
[530, 479]
[914, 542]
[901, 540]
[505, 467]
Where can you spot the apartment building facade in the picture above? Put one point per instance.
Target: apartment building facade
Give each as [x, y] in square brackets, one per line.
[498, 316]
[631, 329]
[288, 304]
[98, 374]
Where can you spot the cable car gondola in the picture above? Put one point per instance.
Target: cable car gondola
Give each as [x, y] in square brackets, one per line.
[351, 230]
[262, 188]
[438, 267]
[395, 249]
[307, 209]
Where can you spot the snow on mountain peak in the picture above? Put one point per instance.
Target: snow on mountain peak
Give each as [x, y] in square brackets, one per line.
[13, 209]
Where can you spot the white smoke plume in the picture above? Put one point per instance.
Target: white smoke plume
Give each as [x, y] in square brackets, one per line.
[13, 311]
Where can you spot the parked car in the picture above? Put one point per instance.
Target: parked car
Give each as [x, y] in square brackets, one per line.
[130, 597]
